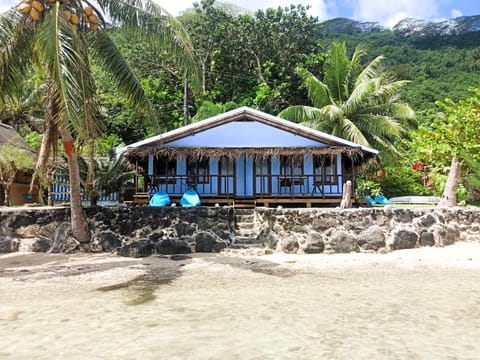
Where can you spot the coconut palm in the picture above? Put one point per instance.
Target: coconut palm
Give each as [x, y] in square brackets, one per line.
[355, 102]
[59, 37]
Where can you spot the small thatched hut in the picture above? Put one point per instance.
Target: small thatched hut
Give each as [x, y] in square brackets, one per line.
[20, 190]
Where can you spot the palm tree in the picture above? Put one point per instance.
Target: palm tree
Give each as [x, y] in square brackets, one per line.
[354, 102]
[59, 37]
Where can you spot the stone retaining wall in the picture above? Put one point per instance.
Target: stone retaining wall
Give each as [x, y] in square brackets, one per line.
[142, 231]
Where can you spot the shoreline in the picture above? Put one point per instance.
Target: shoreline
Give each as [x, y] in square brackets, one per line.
[94, 271]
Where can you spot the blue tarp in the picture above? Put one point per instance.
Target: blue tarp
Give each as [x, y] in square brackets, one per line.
[160, 199]
[190, 198]
[382, 200]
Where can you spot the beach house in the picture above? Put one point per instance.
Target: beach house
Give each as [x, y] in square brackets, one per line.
[247, 157]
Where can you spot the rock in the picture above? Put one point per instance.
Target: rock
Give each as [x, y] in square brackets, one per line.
[404, 239]
[206, 241]
[137, 249]
[427, 239]
[372, 239]
[313, 243]
[445, 235]
[8, 244]
[425, 221]
[171, 247]
[29, 231]
[342, 242]
[63, 241]
[288, 244]
[108, 241]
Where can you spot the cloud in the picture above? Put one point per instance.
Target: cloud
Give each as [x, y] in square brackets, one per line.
[318, 7]
[455, 13]
[390, 12]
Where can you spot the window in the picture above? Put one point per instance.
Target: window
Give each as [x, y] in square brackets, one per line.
[226, 166]
[325, 169]
[291, 170]
[198, 170]
[164, 170]
[290, 166]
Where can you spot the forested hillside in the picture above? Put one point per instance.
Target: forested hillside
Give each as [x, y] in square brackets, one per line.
[251, 60]
[440, 63]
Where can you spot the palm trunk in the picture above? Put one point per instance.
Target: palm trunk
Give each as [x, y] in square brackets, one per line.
[449, 197]
[78, 221]
[49, 139]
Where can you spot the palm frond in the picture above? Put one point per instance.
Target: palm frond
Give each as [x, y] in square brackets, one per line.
[301, 114]
[336, 70]
[163, 31]
[371, 71]
[359, 97]
[351, 132]
[16, 37]
[317, 91]
[111, 60]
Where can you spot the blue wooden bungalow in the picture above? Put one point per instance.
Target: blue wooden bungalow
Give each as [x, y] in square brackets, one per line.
[248, 157]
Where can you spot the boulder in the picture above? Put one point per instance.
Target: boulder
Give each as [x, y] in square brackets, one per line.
[137, 249]
[445, 235]
[108, 241]
[342, 242]
[372, 239]
[8, 244]
[288, 244]
[404, 239]
[427, 239]
[172, 247]
[206, 241]
[63, 241]
[312, 243]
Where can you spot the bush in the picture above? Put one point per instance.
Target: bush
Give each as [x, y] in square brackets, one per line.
[403, 181]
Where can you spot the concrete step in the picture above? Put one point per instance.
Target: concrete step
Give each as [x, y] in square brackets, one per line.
[244, 225]
[245, 218]
[245, 240]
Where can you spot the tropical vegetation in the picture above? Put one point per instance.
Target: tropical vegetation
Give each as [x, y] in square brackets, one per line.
[354, 101]
[61, 38]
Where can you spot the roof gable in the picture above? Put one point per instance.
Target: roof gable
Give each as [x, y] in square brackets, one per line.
[241, 122]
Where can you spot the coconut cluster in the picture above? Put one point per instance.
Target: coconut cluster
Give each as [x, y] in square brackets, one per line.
[86, 16]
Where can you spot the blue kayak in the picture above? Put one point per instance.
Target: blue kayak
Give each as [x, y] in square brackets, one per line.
[190, 198]
[160, 199]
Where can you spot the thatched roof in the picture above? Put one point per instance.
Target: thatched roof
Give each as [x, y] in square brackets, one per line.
[8, 135]
[234, 153]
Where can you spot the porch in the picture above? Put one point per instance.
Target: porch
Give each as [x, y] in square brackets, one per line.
[260, 190]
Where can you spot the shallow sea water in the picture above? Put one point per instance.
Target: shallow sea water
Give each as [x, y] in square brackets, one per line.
[219, 313]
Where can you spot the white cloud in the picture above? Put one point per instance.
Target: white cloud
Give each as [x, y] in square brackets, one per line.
[318, 7]
[6, 4]
[455, 13]
[390, 12]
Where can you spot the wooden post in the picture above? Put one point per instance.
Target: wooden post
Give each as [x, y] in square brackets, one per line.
[347, 195]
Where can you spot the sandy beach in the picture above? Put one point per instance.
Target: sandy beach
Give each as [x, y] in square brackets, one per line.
[96, 270]
[409, 304]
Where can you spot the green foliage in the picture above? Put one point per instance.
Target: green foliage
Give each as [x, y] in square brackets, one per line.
[354, 101]
[402, 180]
[366, 187]
[209, 109]
[108, 176]
[34, 139]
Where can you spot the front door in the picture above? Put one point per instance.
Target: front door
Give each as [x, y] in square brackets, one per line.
[244, 176]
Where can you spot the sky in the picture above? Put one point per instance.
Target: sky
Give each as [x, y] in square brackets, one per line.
[383, 11]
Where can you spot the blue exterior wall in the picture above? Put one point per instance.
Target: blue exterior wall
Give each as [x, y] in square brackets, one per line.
[241, 134]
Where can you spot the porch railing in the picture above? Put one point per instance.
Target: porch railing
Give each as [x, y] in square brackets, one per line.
[305, 185]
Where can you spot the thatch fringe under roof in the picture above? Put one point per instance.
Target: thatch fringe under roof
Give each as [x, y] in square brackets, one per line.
[233, 153]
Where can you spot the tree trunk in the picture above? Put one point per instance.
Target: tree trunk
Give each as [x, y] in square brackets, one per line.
[78, 222]
[49, 140]
[449, 197]
[347, 195]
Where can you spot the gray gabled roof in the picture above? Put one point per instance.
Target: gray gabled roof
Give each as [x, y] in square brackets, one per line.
[248, 114]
